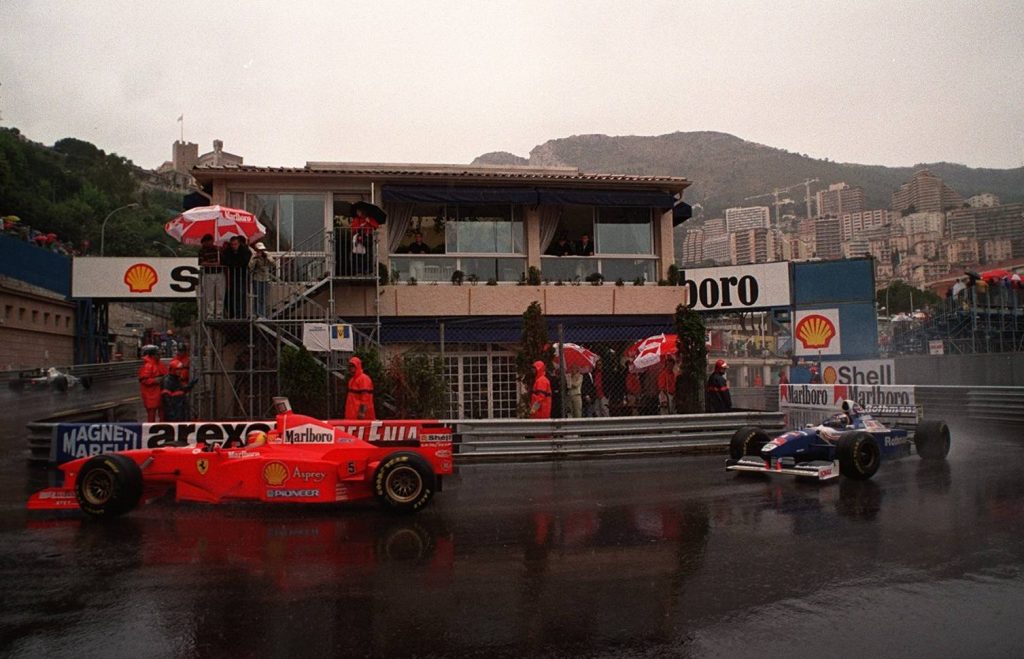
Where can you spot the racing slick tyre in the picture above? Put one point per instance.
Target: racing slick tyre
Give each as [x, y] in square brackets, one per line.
[859, 455]
[748, 440]
[932, 440]
[404, 482]
[108, 485]
[60, 383]
[86, 381]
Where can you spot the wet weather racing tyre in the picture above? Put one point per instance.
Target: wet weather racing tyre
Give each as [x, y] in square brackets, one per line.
[108, 485]
[932, 440]
[859, 455]
[404, 482]
[748, 440]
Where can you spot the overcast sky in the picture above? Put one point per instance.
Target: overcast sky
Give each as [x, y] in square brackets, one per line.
[886, 82]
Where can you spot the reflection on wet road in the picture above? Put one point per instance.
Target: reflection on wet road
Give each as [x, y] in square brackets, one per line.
[642, 557]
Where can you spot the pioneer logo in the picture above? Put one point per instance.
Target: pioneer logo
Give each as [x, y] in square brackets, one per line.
[309, 434]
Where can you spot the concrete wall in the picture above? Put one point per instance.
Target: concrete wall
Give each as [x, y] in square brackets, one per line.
[995, 369]
[36, 328]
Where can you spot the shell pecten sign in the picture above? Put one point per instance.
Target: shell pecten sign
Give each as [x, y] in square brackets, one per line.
[817, 332]
[140, 278]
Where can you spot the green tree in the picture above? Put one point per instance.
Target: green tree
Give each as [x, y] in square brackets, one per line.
[533, 346]
[417, 384]
[693, 356]
[303, 381]
[901, 297]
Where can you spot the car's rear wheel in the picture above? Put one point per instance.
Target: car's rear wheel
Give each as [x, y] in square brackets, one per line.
[748, 440]
[404, 482]
[108, 485]
[932, 440]
[859, 455]
[60, 383]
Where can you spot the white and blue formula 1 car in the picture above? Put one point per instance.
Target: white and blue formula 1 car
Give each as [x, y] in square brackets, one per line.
[850, 443]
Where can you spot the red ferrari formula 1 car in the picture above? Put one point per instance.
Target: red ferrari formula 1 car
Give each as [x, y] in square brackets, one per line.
[303, 460]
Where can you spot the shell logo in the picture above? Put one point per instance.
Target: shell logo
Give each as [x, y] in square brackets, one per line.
[829, 376]
[275, 474]
[815, 331]
[140, 278]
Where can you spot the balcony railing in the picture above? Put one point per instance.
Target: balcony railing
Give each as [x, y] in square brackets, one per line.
[429, 268]
[611, 268]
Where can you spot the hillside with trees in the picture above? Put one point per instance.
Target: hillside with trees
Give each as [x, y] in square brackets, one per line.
[69, 188]
[725, 169]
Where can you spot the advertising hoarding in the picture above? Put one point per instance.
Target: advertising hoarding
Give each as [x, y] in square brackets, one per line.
[134, 278]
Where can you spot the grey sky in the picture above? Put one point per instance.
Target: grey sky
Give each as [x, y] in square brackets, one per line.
[874, 82]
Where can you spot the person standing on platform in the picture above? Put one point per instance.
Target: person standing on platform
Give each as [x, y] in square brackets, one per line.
[574, 384]
[718, 397]
[212, 281]
[151, 377]
[359, 401]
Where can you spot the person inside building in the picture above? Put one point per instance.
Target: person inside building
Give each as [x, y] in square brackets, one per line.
[562, 247]
[585, 247]
[667, 386]
[540, 393]
[417, 246]
[359, 401]
[212, 278]
[151, 377]
[718, 397]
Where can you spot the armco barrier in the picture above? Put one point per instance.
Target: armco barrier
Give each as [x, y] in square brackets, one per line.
[500, 439]
[530, 439]
[40, 433]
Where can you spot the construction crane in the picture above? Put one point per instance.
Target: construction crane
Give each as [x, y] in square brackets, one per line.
[782, 202]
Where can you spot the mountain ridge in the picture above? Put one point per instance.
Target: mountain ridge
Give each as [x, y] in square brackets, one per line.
[725, 169]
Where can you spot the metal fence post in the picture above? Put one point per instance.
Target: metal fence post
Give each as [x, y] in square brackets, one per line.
[561, 368]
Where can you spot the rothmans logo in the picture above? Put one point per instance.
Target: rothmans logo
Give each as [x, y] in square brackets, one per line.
[309, 434]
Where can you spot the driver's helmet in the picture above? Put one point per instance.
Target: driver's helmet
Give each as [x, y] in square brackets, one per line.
[255, 438]
[839, 420]
[851, 409]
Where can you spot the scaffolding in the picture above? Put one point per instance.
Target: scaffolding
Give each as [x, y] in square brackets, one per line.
[245, 325]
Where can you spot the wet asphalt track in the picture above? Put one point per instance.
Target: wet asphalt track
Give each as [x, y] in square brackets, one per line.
[646, 557]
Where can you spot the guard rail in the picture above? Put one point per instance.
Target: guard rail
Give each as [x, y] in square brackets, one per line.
[96, 372]
[41, 432]
[532, 439]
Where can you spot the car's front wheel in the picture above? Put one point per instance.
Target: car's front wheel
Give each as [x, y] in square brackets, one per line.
[859, 455]
[108, 485]
[932, 440]
[404, 482]
[748, 440]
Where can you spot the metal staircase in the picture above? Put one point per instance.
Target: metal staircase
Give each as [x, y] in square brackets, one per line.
[239, 349]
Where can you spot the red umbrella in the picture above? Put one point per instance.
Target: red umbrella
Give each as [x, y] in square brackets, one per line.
[220, 222]
[576, 355]
[996, 275]
[649, 352]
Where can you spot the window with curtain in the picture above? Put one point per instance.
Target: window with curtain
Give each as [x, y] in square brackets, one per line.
[292, 220]
[483, 229]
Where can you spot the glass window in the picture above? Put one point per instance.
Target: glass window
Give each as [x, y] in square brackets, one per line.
[429, 221]
[292, 220]
[624, 231]
[484, 229]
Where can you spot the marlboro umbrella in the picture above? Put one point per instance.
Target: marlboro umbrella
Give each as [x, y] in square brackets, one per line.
[220, 222]
[575, 355]
[650, 352]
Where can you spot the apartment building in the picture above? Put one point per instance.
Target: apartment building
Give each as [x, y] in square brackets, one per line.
[925, 192]
[827, 238]
[741, 219]
[852, 224]
[989, 223]
[840, 199]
